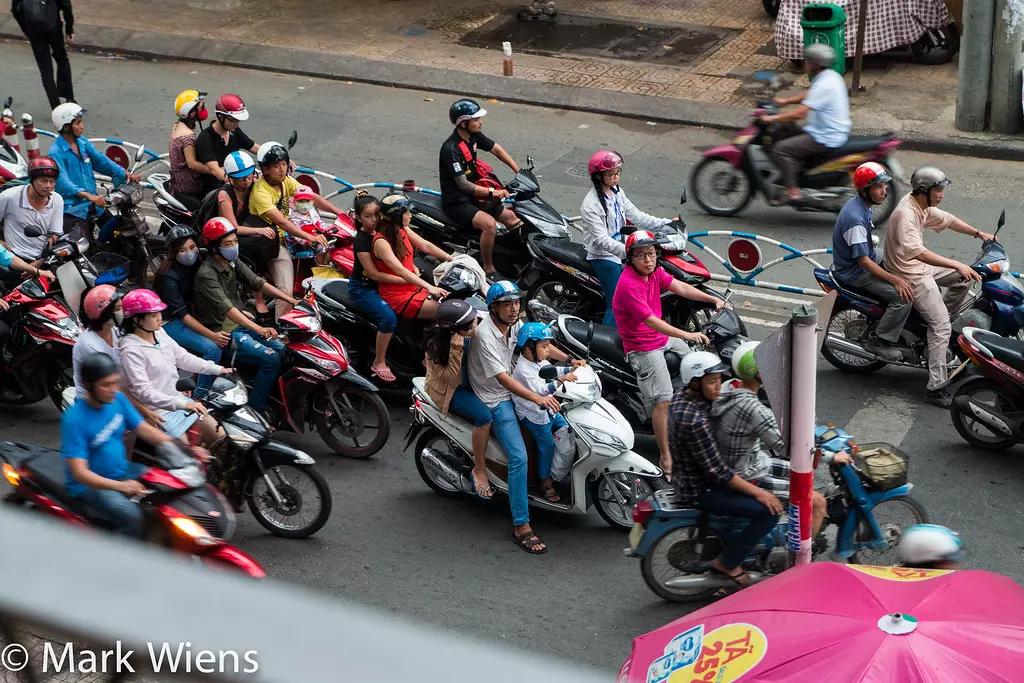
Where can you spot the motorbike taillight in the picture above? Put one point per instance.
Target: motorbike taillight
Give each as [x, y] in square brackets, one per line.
[642, 512]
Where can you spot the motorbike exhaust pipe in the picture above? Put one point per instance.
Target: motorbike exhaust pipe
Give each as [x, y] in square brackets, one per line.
[846, 346]
[988, 417]
[710, 580]
[439, 468]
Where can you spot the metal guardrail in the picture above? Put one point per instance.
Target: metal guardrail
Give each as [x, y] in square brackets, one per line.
[748, 278]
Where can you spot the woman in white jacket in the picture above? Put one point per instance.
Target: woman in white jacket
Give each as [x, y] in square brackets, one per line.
[605, 212]
[150, 361]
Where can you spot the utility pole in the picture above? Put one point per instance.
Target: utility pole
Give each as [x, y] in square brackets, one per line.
[1007, 63]
[974, 70]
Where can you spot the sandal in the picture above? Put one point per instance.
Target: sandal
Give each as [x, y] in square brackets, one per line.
[550, 494]
[529, 542]
[738, 579]
[485, 494]
[384, 374]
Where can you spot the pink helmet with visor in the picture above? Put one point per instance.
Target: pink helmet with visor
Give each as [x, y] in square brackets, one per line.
[602, 161]
[141, 302]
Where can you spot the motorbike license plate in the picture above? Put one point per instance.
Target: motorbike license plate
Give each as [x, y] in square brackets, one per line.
[635, 534]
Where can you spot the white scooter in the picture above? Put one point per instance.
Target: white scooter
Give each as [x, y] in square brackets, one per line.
[606, 473]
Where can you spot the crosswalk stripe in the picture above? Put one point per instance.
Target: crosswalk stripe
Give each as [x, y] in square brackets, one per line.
[885, 417]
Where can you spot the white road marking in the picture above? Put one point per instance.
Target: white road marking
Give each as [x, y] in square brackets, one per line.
[761, 322]
[753, 293]
[885, 417]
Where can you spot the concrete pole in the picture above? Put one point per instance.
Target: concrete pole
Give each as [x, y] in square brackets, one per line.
[1007, 62]
[974, 70]
[801, 430]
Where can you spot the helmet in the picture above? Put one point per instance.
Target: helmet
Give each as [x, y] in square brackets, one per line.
[216, 229]
[605, 160]
[65, 114]
[453, 314]
[927, 177]
[238, 164]
[928, 543]
[819, 54]
[43, 167]
[744, 365]
[503, 290]
[871, 173]
[97, 366]
[271, 153]
[141, 302]
[464, 110]
[640, 238]
[98, 300]
[188, 104]
[303, 194]
[233, 106]
[533, 332]
[179, 232]
[699, 363]
[395, 205]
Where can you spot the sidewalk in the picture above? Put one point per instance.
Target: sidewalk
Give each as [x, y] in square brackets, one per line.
[689, 62]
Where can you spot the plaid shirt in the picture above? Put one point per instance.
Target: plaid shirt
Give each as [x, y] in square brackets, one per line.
[696, 464]
[747, 433]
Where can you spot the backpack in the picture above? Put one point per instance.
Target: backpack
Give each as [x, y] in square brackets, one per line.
[485, 175]
[210, 208]
[40, 16]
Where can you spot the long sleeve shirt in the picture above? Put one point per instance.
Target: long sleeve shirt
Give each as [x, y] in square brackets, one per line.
[77, 173]
[150, 371]
[527, 373]
[601, 227]
[64, 7]
[696, 463]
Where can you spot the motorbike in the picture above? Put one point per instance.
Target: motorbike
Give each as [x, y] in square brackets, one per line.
[13, 167]
[607, 473]
[745, 167]
[988, 411]
[182, 513]
[999, 307]
[676, 545]
[319, 389]
[510, 257]
[172, 212]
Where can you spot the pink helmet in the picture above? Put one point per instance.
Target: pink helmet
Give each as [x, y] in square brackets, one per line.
[141, 302]
[303, 194]
[605, 160]
[232, 105]
[98, 299]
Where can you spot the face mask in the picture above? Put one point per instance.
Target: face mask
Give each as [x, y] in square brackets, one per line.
[118, 317]
[188, 258]
[230, 253]
[303, 207]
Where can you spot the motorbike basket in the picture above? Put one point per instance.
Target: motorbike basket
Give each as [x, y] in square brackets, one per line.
[113, 268]
[882, 465]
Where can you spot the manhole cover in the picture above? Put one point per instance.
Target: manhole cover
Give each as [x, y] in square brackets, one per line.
[577, 34]
[578, 171]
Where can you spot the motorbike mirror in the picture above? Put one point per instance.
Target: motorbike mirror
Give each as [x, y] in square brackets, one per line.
[682, 197]
[548, 373]
[293, 138]
[185, 385]
[32, 231]
[529, 162]
[8, 102]
[1002, 220]
[590, 336]
[140, 154]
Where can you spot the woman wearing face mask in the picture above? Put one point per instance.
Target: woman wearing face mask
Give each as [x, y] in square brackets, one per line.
[150, 361]
[175, 283]
[187, 173]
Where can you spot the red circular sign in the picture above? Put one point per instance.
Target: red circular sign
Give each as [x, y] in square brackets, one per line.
[117, 155]
[744, 255]
[309, 181]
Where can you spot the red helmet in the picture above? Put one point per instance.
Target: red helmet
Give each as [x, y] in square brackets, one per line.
[640, 238]
[605, 160]
[43, 167]
[141, 302]
[233, 106]
[869, 174]
[98, 300]
[216, 229]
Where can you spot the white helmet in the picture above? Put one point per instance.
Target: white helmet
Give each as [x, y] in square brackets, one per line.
[238, 164]
[699, 363]
[928, 543]
[65, 114]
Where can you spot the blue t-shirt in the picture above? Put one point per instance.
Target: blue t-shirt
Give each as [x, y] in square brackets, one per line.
[851, 239]
[97, 435]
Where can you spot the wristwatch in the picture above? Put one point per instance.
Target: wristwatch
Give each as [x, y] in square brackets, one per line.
[490, 192]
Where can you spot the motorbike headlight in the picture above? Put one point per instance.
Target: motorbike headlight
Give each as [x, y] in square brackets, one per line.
[595, 435]
[190, 475]
[236, 395]
[1000, 266]
[330, 366]
[238, 434]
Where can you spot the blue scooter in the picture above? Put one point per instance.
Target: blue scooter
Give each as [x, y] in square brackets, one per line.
[870, 506]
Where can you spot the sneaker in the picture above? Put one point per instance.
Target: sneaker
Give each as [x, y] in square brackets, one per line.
[883, 349]
[939, 397]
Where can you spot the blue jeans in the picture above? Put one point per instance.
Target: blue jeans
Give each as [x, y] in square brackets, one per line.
[117, 508]
[724, 501]
[366, 297]
[505, 427]
[191, 340]
[252, 349]
[544, 435]
[608, 273]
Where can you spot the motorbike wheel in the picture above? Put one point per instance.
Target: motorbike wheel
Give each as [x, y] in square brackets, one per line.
[724, 179]
[617, 510]
[435, 440]
[851, 324]
[771, 7]
[892, 531]
[350, 424]
[968, 427]
[657, 566]
[62, 376]
[144, 269]
[937, 45]
[287, 520]
[547, 299]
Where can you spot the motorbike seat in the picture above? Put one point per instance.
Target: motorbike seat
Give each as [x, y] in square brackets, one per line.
[566, 252]
[606, 342]
[337, 290]
[430, 205]
[46, 467]
[855, 291]
[1009, 351]
[856, 143]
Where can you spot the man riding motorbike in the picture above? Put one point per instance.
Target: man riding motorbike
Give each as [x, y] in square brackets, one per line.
[221, 138]
[827, 108]
[702, 478]
[930, 546]
[855, 264]
[926, 271]
[34, 204]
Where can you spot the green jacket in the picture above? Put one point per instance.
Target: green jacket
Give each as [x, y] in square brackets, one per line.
[217, 292]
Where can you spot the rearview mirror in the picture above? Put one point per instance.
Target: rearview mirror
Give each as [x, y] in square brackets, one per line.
[185, 385]
[140, 154]
[1002, 219]
[8, 102]
[548, 373]
[682, 197]
[32, 231]
[293, 138]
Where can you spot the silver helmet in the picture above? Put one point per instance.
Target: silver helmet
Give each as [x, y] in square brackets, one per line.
[819, 54]
[927, 177]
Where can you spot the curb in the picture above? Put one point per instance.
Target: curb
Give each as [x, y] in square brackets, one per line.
[170, 47]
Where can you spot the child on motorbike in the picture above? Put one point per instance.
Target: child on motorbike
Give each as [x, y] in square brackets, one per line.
[534, 341]
[307, 219]
[447, 381]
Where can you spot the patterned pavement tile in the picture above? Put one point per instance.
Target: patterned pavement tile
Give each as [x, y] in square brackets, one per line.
[574, 79]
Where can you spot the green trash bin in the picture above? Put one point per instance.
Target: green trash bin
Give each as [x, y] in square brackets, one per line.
[825, 23]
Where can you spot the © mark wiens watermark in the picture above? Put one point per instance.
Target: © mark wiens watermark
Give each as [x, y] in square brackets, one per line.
[160, 658]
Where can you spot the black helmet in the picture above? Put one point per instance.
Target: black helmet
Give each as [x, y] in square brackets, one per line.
[271, 153]
[464, 110]
[454, 314]
[179, 232]
[96, 367]
[394, 205]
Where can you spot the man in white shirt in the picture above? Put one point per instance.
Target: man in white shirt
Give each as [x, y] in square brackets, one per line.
[34, 204]
[827, 108]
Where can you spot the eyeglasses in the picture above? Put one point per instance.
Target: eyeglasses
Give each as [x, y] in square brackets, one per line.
[646, 256]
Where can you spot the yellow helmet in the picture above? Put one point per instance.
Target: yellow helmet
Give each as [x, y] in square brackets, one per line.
[188, 102]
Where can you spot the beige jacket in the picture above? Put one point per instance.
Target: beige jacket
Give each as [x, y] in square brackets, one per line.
[443, 380]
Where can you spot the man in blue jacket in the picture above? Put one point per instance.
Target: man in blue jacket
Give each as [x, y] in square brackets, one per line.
[79, 161]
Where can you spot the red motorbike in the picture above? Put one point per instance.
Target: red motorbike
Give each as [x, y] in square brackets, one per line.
[36, 362]
[341, 236]
[183, 512]
[988, 410]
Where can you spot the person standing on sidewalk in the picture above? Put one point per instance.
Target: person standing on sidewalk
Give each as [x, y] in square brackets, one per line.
[40, 22]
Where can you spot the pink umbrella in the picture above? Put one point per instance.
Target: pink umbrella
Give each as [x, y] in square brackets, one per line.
[844, 623]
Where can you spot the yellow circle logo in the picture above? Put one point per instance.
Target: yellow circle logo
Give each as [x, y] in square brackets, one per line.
[723, 655]
[900, 573]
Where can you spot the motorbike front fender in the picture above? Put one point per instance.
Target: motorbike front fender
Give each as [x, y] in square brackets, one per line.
[731, 153]
[228, 556]
[628, 462]
[272, 453]
[845, 547]
[352, 377]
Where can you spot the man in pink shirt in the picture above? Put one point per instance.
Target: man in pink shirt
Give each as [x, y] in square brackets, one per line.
[645, 336]
[927, 272]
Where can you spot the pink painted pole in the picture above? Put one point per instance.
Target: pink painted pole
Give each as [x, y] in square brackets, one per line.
[801, 431]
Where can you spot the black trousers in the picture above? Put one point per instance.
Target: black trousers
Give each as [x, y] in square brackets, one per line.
[43, 46]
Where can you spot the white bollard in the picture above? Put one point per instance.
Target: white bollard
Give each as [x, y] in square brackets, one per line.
[803, 388]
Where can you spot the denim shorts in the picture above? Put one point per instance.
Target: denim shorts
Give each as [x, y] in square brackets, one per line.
[367, 298]
[177, 422]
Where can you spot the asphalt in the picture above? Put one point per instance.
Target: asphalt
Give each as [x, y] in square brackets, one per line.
[450, 564]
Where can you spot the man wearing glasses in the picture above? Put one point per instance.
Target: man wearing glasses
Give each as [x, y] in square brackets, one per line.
[223, 137]
[645, 336]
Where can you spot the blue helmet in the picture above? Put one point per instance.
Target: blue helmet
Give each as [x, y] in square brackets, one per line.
[533, 332]
[503, 290]
[924, 544]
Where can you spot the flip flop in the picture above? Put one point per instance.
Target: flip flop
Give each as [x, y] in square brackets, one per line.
[477, 492]
[384, 374]
[737, 579]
